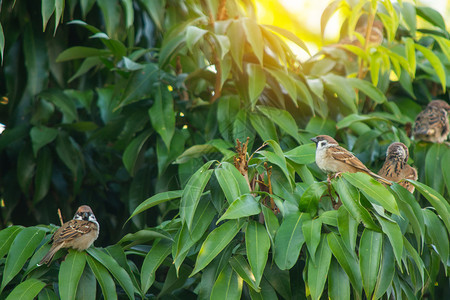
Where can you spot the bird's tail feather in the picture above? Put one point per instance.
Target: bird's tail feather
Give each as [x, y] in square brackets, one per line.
[381, 179]
[48, 257]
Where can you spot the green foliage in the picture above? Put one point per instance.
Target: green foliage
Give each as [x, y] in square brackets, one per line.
[133, 107]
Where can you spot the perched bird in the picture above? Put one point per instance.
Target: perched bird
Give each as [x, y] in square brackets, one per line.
[332, 158]
[78, 233]
[432, 124]
[396, 166]
[375, 35]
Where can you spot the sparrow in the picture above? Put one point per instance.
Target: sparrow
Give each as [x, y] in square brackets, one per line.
[396, 166]
[332, 158]
[432, 124]
[375, 35]
[78, 233]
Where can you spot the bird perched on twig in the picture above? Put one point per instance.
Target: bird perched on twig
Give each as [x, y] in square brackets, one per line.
[432, 123]
[396, 166]
[332, 158]
[78, 233]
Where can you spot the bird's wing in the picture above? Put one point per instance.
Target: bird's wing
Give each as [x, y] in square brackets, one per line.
[72, 230]
[341, 154]
[431, 121]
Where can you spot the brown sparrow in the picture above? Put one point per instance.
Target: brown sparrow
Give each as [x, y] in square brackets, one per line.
[375, 35]
[78, 233]
[432, 124]
[332, 158]
[396, 166]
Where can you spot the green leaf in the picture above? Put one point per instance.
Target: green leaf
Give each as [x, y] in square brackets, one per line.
[152, 261]
[256, 82]
[436, 231]
[446, 169]
[338, 284]
[286, 81]
[193, 35]
[185, 240]
[438, 202]
[373, 190]
[415, 256]
[290, 36]
[36, 58]
[132, 151]
[244, 206]
[241, 267]
[410, 55]
[350, 199]
[318, 270]
[2, 42]
[367, 88]
[80, 52]
[435, 63]
[27, 289]
[346, 260]
[70, 273]
[156, 10]
[43, 176]
[21, 249]
[7, 237]
[87, 286]
[412, 210]
[257, 244]
[282, 118]
[369, 259]
[162, 115]
[348, 228]
[115, 269]
[254, 37]
[237, 35]
[264, 127]
[272, 225]
[144, 235]
[192, 192]
[345, 92]
[352, 118]
[311, 232]
[111, 14]
[104, 279]
[47, 8]
[309, 202]
[155, 200]
[227, 286]
[289, 240]
[327, 14]
[228, 183]
[392, 230]
[387, 271]
[433, 171]
[65, 104]
[432, 16]
[303, 154]
[216, 241]
[138, 86]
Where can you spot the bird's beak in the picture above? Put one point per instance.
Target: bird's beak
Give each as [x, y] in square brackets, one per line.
[314, 139]
[85, 216]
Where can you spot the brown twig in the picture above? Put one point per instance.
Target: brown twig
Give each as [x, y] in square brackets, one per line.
[60, 217]
[240, 160]
[222, 13]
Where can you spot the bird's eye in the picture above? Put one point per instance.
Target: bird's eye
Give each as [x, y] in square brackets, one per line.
[323, 144]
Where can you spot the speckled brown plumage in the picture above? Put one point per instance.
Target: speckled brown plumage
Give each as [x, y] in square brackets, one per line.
[396, 166]
[432, 123]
